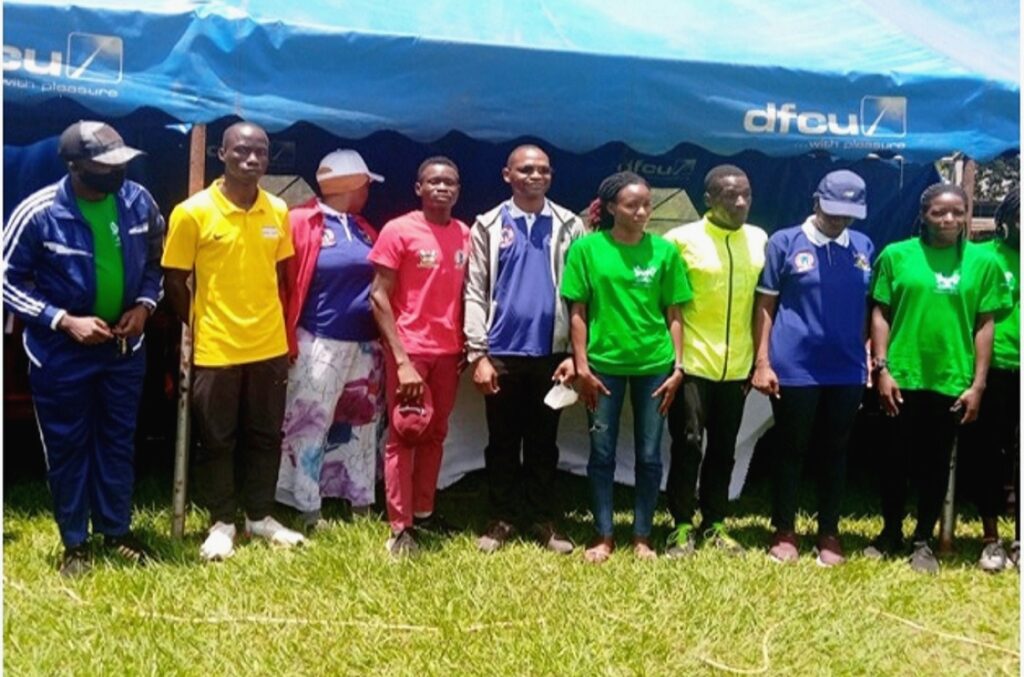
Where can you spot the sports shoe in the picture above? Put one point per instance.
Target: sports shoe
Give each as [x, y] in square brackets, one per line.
[435, 524]
[993, 557]
[682, 542]
[784, 548]
[885, 545]
[1013, 557]
[718, 537]
[403, 544]
[270, 529]
[76, 561]
[494, 538]
[130, 548]
[552, 539]
[923, 560]
[219, 544]
[829, 552]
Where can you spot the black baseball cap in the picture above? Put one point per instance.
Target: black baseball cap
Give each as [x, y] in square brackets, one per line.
[96, 141]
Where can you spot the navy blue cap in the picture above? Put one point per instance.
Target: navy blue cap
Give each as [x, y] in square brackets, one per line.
[843, 193]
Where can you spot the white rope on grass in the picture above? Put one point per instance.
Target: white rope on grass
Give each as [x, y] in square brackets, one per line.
[947, 635]
[277, 620]
[746, 671]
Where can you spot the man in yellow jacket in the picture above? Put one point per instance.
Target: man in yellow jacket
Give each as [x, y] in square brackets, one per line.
[723, 257]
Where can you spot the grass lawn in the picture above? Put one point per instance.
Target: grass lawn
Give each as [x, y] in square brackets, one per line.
[340, 606]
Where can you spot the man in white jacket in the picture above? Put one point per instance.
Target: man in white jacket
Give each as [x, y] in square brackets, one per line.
[517, 336]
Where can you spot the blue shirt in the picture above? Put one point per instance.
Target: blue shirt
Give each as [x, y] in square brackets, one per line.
[524, 293]
[822, 287]
[337, 305]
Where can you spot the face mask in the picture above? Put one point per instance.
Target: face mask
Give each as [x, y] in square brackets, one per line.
[104, 183]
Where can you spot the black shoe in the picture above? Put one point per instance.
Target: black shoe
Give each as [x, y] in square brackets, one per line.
[403, 544]
[76, 561]
[498, 532]
[886, 545]
[923, 560]
[129, 548]
[435, 524]
[551, 538]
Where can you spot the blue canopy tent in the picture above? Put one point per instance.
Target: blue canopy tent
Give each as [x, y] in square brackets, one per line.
[666, 88]
[787, 91]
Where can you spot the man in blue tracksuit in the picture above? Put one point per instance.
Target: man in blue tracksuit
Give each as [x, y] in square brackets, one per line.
[81, 269]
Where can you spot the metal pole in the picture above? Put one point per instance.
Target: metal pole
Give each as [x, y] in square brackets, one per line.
[196, 179]
[948, 524]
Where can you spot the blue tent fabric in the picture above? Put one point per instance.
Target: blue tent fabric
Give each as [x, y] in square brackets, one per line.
[918, 79]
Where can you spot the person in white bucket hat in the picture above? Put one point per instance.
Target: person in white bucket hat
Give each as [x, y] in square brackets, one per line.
[331, 438]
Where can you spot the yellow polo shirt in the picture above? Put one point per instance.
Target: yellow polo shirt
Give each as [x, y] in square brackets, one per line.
[723, 267]
[237, 310]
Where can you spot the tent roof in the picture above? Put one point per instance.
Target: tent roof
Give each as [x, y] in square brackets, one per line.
[915, 78]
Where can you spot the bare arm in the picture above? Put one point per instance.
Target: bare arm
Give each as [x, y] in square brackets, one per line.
[764, 379]
[667, 390]
[410, 383]
[970, 400]
[888, 389]
[590, 385]
[178, 295]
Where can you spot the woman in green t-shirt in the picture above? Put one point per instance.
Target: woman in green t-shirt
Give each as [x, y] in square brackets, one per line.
[931, 337]
[625, 287]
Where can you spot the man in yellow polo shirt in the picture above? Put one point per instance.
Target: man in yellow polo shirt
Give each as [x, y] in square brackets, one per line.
[234, 236]
[724, 257]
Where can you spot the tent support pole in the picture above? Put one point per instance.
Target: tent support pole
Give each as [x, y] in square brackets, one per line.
[964, 171]
[196, 180]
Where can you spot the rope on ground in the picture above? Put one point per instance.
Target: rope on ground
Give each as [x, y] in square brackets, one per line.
[947, 635]
[275, 620]
[746, 671]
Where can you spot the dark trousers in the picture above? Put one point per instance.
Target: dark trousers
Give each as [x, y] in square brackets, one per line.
[87, 402]
[821, 417]
[522, 451]
[983, 444]
[237, 413]
[919, 444]
[717, 408]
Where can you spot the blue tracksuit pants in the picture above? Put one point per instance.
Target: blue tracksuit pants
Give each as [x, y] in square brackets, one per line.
[87, 401]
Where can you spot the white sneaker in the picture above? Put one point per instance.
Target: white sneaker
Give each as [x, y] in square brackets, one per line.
[273, 531]
[220, 544]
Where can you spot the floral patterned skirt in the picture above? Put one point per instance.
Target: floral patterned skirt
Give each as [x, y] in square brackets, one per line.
[331, 444]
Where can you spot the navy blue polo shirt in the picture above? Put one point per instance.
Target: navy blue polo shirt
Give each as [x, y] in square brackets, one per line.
[524, 292]
[820, 322]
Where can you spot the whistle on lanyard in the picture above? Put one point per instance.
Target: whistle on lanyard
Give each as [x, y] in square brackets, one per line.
[122, 346]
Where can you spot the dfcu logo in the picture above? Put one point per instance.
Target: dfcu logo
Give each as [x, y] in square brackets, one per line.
[89, 57]
[880, 116]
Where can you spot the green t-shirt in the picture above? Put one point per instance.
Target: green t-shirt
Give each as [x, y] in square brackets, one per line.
[106, 250]
[934, 297]
[1006, 344]
[627, 289]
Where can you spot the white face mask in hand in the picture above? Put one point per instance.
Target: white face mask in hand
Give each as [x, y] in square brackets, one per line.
[561, 396]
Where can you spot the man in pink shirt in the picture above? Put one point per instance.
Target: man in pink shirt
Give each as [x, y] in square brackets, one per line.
[420, 261]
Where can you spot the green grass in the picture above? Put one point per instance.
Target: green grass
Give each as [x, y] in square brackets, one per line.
[341, 606]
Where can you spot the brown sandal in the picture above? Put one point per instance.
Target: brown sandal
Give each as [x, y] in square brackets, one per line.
[599, 550]
[642, 548]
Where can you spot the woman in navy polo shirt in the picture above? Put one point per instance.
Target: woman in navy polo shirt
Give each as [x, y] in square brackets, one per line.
[810, 321]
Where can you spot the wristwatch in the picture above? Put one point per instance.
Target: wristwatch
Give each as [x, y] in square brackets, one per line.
[881, 364]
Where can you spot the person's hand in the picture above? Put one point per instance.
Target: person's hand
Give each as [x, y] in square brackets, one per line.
[765, 380]
[889, 393]
[667, 391]
[565, 373]
[132, 322]
[969, 403]
[410, 384]
[88, 330]
[590, 389]
[485, 376]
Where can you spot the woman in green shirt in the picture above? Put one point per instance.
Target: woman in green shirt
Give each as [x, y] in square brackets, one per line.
[931, 337]
[625, 286]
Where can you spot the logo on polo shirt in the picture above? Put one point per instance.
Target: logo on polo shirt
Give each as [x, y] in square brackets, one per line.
[643, 276]
[861, 261]
[508, 236]
[270, 232]
[803, 262]
[429, 258]
[328, 239]
[947, 284]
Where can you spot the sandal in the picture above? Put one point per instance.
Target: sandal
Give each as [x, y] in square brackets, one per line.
[642, 548]
[599, 550]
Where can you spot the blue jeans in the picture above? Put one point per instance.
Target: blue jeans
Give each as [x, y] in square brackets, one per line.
[604, 434]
